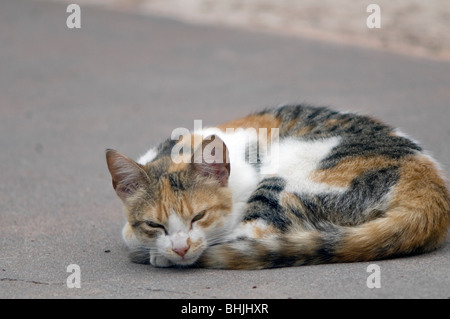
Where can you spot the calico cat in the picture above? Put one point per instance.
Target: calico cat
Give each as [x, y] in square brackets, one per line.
[288, 186]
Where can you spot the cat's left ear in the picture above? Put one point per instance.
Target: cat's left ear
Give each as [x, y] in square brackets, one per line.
[127, 175]
[211, 159]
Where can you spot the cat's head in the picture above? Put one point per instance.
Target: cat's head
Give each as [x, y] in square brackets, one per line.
[175, 209]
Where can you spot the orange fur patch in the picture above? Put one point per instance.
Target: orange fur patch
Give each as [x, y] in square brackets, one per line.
[257, 122]
[347, 170]
[415, 222]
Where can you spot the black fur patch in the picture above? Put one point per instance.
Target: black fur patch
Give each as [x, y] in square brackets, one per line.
[367, 145]
[252, 156]
[165, 148]
[361, 135]
[264, 203]
[177, 182]
[357, 205]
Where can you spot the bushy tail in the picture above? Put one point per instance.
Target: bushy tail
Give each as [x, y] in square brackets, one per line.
[399, 234]
[415, 222]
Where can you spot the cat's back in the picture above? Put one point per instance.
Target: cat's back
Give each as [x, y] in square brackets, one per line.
[319, 150]
[342, 188]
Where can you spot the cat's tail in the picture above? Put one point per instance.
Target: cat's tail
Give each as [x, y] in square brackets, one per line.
[396, 235]
[416, 221]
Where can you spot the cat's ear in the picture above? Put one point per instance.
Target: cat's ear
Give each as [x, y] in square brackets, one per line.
[211, 159]
[127, 175]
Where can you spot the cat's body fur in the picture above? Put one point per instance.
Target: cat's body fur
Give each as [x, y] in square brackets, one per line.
[333, 187]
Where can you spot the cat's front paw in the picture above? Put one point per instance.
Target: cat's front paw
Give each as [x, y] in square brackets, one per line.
[160, 261]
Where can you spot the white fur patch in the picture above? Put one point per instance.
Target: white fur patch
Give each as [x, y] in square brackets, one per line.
[178, 232]
[243, 177]
[176, 224]
[148, 157]
[299, 159]
[129, 237]
[249, 229]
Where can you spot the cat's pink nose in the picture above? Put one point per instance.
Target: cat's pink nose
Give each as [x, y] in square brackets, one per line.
[181, 250]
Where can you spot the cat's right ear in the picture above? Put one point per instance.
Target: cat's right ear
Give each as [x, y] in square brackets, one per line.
[127, 175]
[211, 159]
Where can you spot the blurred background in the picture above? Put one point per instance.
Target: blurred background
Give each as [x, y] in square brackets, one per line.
[416, 27]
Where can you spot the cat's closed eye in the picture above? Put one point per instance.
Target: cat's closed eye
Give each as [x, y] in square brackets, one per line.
[155, 225]
[199, 216]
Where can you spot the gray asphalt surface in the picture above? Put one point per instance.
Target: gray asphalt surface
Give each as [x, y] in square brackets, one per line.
[125, 81]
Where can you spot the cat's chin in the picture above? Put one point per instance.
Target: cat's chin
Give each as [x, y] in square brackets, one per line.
[185, 262]
[163, 262]
[159, 261]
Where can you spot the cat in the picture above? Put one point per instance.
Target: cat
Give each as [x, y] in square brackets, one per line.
[313, 186]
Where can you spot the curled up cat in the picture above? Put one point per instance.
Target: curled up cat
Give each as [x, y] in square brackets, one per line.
[288, 186]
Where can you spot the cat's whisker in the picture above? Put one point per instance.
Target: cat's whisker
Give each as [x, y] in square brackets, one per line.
[217, 239]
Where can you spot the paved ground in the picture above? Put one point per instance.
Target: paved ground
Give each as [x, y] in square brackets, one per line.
[125, 81]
